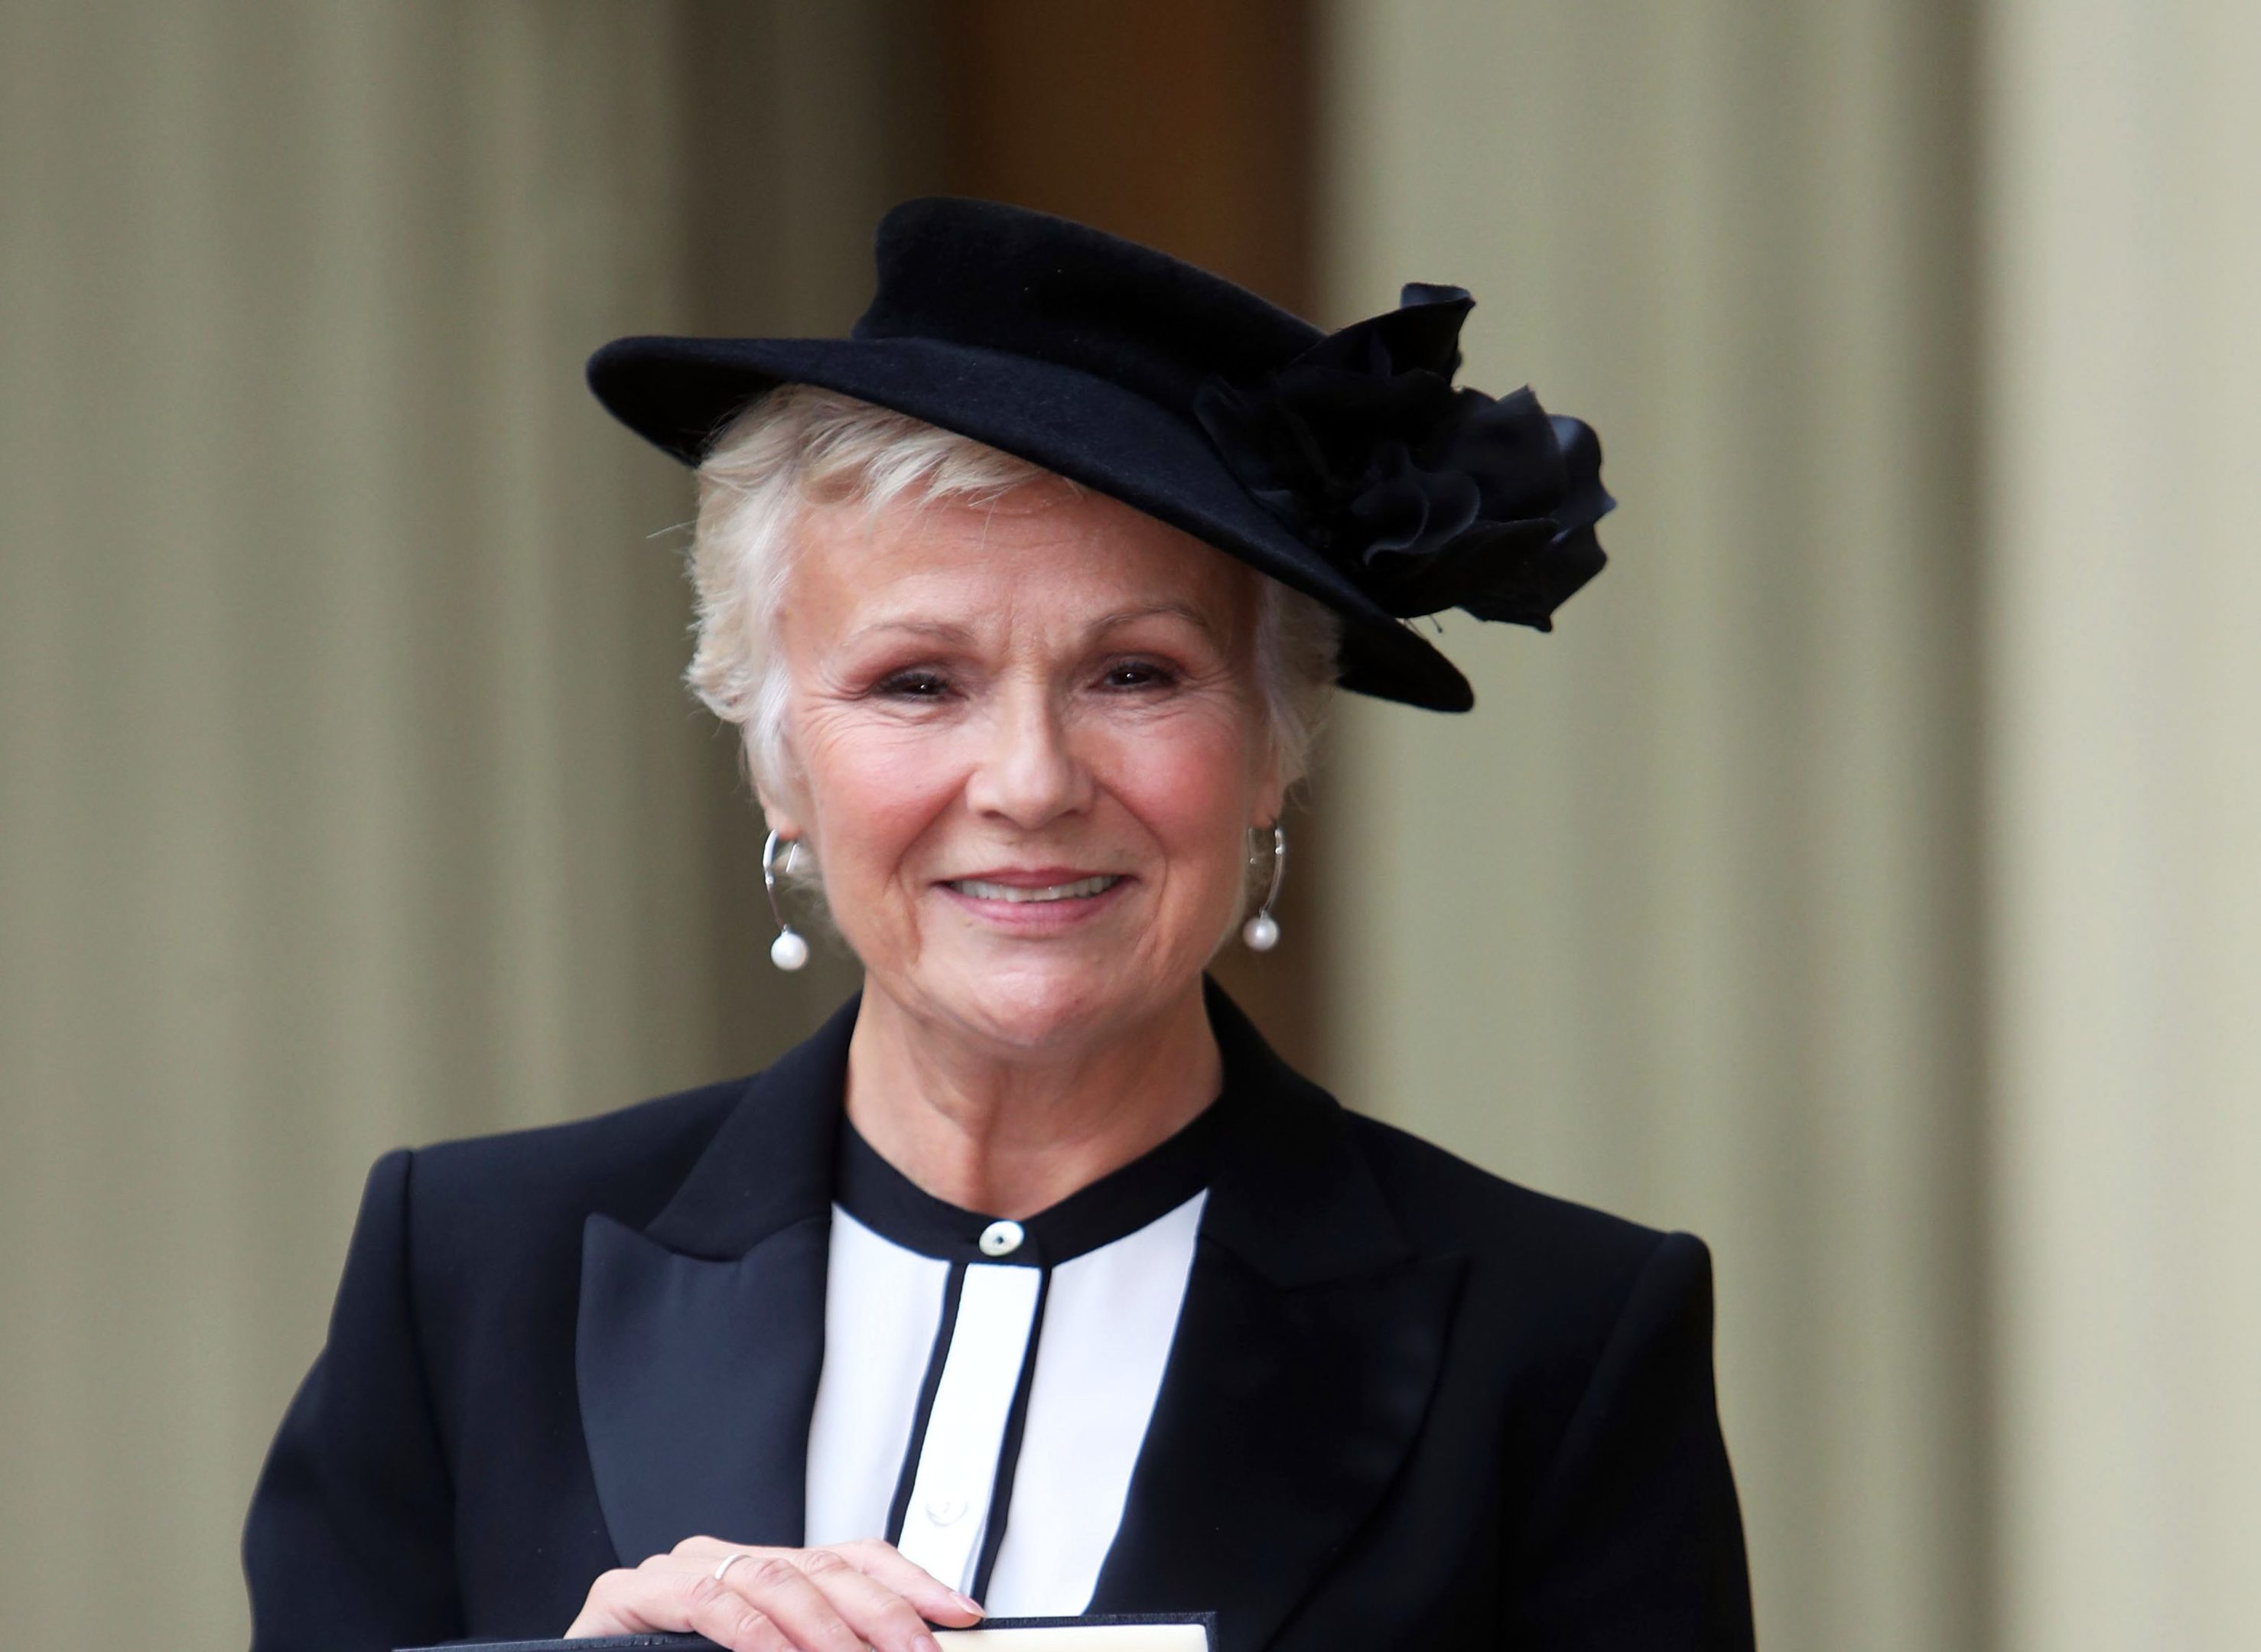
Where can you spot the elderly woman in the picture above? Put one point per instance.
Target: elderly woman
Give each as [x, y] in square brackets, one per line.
[1033, 1283]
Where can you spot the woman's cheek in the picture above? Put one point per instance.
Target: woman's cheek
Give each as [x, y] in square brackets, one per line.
[890, 768]
[887, 787]
[1191, 774]
[1189, 787]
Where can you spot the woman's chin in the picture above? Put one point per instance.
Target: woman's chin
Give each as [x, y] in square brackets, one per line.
[1032, 998]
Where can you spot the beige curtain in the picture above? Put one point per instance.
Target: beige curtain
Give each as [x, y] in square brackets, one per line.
[1925, 352]
[346, 794]
[329, 637]
[2124, 816]
[1677, 922]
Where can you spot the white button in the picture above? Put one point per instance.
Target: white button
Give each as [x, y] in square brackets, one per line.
[1001, 1238]
[945, 1511]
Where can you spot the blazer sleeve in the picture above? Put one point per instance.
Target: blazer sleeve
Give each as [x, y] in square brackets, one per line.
[1636, 1540]
[348, 1544]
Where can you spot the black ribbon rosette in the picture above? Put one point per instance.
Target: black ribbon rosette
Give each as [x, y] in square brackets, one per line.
[1428, 496]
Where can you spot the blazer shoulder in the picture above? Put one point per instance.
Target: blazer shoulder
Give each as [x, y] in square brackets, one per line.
[486, 1192]
[1445, 1204]
[1551, 1287]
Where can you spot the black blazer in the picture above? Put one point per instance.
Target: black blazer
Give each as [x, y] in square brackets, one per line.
[1408, 1405]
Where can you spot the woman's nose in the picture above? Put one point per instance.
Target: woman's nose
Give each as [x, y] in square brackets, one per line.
[1030, 773]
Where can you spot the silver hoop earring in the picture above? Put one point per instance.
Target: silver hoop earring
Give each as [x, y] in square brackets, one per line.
[788, 951]
[1261, 933]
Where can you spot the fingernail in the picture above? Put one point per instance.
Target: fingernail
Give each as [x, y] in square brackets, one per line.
[925, 1643]
[966, 1603]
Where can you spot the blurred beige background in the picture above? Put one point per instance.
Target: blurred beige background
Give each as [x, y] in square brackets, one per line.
[1866, 875]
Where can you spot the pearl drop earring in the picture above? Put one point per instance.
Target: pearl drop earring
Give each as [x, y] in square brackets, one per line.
[1261, 933]
[788, 951]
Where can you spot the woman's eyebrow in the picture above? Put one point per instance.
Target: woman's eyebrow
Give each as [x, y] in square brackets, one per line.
[949, 631]
[941, 630]
[1193, 617]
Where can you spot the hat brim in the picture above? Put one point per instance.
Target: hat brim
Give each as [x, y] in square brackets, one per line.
[679, 393]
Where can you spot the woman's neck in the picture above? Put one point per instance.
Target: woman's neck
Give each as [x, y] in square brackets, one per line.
[1013, 1133]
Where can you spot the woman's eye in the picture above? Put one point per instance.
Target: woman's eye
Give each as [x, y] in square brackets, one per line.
[914, 686]
[1139, 673]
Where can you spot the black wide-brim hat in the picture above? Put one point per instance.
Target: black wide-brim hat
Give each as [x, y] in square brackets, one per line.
[1345, 465]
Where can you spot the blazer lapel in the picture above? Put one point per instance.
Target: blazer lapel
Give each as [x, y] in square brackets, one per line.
[1305, 1355]
[701, 1340]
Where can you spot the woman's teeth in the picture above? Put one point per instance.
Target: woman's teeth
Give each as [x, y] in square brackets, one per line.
[1081, 889]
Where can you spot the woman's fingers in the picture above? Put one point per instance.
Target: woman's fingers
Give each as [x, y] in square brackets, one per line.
[773, 1584]
[874, 1557]
[885, 1564]
[721, 1612]
[672, 1599]
[879, 1615]
[600, 1614]
[842, 1599]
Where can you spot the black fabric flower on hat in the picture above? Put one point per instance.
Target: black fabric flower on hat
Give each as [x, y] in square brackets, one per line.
[1430, 497]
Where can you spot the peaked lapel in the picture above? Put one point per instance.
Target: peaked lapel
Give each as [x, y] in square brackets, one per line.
[700, 1339]
[1304, 1358]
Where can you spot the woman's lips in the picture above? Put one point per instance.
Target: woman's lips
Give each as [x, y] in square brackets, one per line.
[1072, 889]
[1022, 902]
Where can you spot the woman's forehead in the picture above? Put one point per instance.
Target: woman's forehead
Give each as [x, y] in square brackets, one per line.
[1076, 555]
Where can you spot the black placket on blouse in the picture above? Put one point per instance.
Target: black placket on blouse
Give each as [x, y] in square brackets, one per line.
[1117, 1205]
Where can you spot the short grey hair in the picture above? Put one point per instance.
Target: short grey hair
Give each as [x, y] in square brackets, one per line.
[800, 444]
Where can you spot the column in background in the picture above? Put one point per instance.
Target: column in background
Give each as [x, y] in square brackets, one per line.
[2124, 822]
[348, 795]
[1681, 921]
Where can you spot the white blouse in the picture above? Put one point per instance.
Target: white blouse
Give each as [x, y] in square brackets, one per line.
[986, 1384]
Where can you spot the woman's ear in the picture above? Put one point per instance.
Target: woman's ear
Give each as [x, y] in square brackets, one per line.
[778, 812]
[1269, 795]
[780, 817]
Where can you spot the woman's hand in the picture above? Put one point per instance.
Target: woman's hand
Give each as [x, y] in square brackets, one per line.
[842, 1598]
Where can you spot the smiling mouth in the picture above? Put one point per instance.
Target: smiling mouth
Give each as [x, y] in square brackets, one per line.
[1081, 889]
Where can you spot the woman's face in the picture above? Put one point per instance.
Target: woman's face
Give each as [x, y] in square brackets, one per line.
[1027, 745]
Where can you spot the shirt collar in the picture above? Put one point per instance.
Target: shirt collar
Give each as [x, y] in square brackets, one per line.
[1119, 1204]
[1291, 1194]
